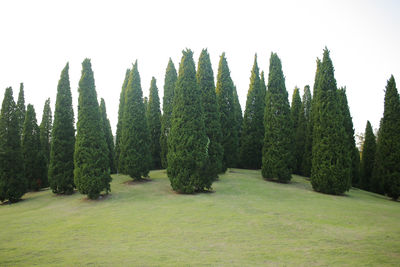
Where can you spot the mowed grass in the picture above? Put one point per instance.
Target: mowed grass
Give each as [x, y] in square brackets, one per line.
[247, 221]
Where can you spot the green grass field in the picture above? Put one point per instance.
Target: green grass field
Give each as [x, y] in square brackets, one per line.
[246, 222]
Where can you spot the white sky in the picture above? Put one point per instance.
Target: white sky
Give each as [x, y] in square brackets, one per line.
[39, 37]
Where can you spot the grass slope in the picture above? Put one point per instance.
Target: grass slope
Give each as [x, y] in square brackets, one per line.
[247, 221]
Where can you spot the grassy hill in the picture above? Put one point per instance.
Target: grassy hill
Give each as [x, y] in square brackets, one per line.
[246, 222]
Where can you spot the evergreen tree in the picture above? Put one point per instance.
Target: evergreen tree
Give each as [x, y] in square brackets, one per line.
[13, 184]
[298, 122]
[387, 167]
[118, 134]
[331, 162]
[238, 115]
[376, 180]
[108, 135]
[188, 144]
[302, 130]
[45, 137]
[169, 87]
[252, 136]
[154, 123]
[91, 162]
[34, 159]
[229, 126]
[205, 82]
[135, 158]
[278, 139]
[146, 105]
[21, 107]
[368, 158]
[61, 166]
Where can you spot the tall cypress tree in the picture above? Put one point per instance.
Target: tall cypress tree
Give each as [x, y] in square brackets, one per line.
[305, 130]
[154, 121]
[205, 82]
[278, 139]
[387, 167]
[21, 107]
[169, 87]
[188, 143]
[108, 135]
[135, 155]
[252, 136]
[295, 113]
[45, 137]
[34, 160]
[118, 134]
[368, 158]
[61, 166]
[91, 172]
[238, 115]
[331, 162]
[229, 126]
[13, 184]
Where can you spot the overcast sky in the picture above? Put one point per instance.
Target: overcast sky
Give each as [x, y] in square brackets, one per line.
[39, 37]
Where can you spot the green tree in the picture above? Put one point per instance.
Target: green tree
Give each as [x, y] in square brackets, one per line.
[108, 135]
[154, 123]
[331, 162]
[34, 159]
[229, 126]
[188, 143]
[205, 83]
[238, 122]
[252, 136]
[368, 158]
[118, 134]
[301, 135]
[61, 166]
[13, 184]
[135, 155]
[298, 124]
[278, 139]
[169, 87]
[45, 137]
[21, 107]
[91, 172]
[387, 167]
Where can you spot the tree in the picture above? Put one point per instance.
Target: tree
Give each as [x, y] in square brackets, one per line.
[21, 107]
[118, 134]
[331, 162]
[91, 162]
[61, 166]
[252, 136]
[34, 159]
[154, 123]
[278, 139]
[301, 135]
[13, 184]
[205, 83]
[169, 88]
[238, 124]
[368, 158]
[387, 167]
[229, 126]
[45, 137]
[296, 115]
[108, 135]
[135, 155]
[188, 143]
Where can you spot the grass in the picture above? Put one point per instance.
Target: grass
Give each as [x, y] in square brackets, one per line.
[246, 222]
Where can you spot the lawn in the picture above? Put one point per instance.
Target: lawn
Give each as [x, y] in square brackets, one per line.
[246, 222]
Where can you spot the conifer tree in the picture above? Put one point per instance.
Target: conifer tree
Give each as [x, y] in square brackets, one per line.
[135, 158]
[188, 144]
[252, 136]
[387, 167]
[61, 166]
[278, 139]
[368, 158]
[146, 105]
[21, 107]
[331, 162]
[301, 134]
[205, 82]
[13, 184]
[169, 87]
[108, 135]
[34, 159]
[229, 125]
[238, 115]
[45, 137]
[376, 185]
[154, 123]
[91, 172]
[118, 134]
[295, 114]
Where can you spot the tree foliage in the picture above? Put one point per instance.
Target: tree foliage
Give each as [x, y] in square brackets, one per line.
[304, 128]
[21, 109]
[368, 158]
[45, 137]
[298, 119]
[108, 135]
[154, 123]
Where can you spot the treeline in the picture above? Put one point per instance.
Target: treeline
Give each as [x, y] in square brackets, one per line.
[199, 134]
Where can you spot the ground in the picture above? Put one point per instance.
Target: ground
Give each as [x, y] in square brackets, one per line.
[246, 221]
